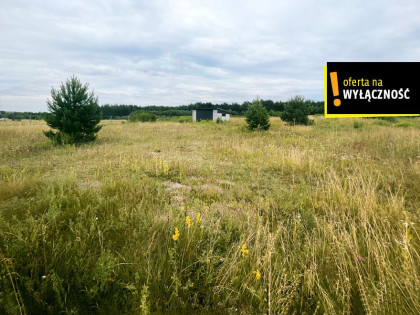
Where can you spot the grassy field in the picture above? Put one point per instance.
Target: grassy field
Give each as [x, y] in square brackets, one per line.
[181, 218]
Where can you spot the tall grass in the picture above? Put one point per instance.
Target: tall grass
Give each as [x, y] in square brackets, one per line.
[304, 219]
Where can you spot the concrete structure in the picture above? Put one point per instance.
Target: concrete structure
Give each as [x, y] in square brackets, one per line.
[210, 114]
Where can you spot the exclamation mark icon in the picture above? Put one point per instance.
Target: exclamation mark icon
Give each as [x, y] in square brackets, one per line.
[336, 91]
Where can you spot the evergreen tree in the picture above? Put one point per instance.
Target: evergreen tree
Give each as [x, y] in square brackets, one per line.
[73, 112]
[296, 111]
[257, 116]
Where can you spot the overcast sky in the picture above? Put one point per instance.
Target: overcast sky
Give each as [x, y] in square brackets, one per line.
[181, 52]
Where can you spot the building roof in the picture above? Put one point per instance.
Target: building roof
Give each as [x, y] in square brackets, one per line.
[219, 110]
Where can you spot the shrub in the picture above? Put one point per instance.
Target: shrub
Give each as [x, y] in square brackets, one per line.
[73, 112]
[296, 111]
[257, 116]
[141, 116]
[358, 124]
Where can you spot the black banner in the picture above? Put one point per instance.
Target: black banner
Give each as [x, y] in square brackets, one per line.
[369, 89]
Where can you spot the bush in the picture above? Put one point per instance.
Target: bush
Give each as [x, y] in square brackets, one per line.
[257, 116]
[141, 116]
[74, 113]
[296, 111]
[358, 124]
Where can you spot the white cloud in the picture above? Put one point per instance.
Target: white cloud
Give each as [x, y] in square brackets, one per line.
[178, 52]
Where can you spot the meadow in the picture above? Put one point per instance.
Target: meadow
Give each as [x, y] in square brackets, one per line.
[200, 218]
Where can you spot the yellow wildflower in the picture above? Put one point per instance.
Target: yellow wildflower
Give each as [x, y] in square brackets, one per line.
[244, 251]
[188, 221]
[258, 274]
[176, 235]
[198, 220]
[347, 279]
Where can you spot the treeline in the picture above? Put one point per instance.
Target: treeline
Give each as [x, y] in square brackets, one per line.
[22, 115]
[235, 109]
[122, 111]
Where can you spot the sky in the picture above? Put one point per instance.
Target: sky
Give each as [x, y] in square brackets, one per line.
[180, 52]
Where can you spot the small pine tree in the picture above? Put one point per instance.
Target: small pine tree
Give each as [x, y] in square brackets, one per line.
[73, 112]
[257, 116]
[296, 111]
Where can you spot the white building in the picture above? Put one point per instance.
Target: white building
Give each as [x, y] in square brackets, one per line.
[210, 114]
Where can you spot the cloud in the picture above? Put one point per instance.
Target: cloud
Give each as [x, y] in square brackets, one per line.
[179, 52]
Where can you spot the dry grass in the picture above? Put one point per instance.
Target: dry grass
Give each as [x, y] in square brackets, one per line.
[329, 214]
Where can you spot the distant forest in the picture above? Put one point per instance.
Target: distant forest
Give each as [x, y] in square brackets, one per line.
[122, 111]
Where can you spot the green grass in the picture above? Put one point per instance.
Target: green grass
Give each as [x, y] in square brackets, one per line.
[329, 214]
